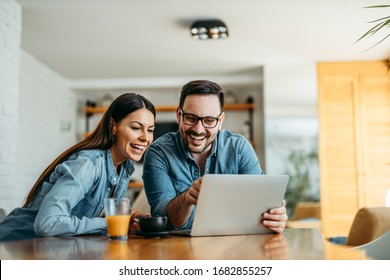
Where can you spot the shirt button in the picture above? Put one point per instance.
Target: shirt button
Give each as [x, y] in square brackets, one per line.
[196, 171]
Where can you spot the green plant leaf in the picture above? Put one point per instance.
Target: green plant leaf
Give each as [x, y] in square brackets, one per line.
[377, 6]
[373, 30]
[379, 19]
[381, 24]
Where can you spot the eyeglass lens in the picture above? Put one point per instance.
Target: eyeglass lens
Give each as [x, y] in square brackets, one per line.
[207, 122]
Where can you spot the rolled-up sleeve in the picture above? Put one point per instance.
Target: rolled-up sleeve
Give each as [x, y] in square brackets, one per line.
[75, 178]
[158, 184]
[248, 160]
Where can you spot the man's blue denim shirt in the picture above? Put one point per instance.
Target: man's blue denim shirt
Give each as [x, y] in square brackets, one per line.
[70, 201]
[169, 168]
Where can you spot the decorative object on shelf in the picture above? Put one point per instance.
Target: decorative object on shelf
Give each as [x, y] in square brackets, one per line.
[250, 100]
[89, 104]
[209, 29]
[230, 97]
[106, 101]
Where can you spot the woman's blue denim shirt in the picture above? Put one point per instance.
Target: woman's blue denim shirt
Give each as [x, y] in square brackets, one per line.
[169, 168]
[70, 201]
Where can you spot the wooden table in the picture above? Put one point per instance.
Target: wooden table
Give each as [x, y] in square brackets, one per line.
[305, 223]
[293, 244]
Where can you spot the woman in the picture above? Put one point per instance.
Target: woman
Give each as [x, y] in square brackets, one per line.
[68, 197]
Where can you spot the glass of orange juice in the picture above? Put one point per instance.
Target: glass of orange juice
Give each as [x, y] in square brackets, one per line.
[117, 212]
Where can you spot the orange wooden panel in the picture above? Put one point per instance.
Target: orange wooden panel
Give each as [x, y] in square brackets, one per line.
[354, 140]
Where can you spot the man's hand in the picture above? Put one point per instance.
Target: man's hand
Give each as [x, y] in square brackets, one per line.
[276, 219]
[191, 195]
[179, 209]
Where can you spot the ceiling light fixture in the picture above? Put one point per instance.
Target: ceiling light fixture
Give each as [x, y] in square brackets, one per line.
[209, 29]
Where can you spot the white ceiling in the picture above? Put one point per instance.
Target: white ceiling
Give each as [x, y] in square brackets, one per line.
[111, 39]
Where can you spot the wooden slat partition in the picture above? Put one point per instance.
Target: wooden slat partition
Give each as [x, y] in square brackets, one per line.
[354, 140]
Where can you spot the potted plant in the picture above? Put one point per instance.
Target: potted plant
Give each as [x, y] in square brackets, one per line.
[303, 185]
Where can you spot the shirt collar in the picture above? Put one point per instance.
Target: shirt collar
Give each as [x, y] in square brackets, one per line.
[213, 151]
[127, 166]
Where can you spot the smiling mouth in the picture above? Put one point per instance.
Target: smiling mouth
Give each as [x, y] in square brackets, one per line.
[139, 148]
[196, 139]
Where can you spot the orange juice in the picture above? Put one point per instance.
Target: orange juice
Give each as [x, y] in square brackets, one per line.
[118, 226]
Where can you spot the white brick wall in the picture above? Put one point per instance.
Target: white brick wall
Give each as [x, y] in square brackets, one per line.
[47, 116]
[10, 34]
[37, 112]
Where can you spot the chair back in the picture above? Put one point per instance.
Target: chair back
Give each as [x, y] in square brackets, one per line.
[305, 210]
[369, 224]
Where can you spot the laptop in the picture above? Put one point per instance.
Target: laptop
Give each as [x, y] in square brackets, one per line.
[231, 204]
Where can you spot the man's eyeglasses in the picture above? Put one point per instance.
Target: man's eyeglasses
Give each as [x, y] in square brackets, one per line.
[207, 122]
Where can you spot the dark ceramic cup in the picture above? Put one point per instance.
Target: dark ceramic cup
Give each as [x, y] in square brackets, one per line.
[153, 224]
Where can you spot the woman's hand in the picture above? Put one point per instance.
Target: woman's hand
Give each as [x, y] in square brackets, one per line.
[134, 219]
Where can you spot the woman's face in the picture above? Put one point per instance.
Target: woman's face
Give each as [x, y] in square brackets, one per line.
[133, 135]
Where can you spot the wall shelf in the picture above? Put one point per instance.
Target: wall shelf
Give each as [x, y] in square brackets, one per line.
[227, 107]
[136, 184]
[90, 111]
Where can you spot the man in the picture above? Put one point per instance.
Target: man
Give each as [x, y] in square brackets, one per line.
[175, 163]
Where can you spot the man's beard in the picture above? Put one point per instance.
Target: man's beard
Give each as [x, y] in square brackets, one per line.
[197, 149]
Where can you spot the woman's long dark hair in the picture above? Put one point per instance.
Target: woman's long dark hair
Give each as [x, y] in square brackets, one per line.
[102, 137]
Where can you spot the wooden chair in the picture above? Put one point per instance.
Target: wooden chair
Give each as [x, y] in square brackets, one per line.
[369, 224]
[306, 215]
[306, 210]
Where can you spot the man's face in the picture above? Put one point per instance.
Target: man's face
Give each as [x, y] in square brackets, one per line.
[198, 138]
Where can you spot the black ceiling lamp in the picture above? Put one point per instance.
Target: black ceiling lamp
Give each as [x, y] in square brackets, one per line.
[209, 29]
